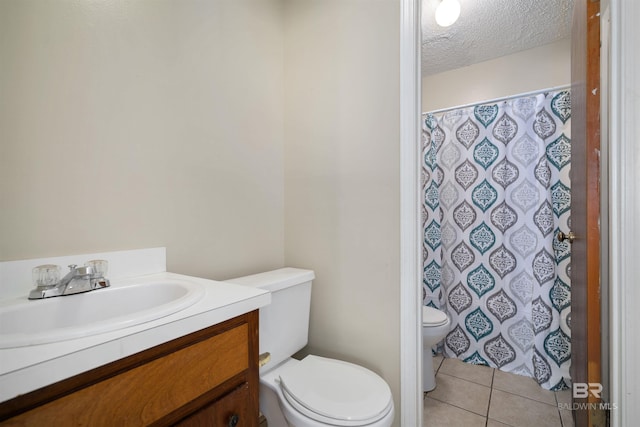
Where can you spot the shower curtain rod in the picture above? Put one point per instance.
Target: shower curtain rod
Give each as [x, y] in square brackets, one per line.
[504, 98]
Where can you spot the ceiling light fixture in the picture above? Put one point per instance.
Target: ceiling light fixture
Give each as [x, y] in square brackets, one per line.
[447, 12]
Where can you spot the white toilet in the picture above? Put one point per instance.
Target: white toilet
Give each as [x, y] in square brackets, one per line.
[435, 326]
[314, 391]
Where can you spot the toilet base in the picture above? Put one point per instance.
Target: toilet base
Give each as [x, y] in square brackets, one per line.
[431, 335]
[428, 375]
[270, 408]
[269, 399]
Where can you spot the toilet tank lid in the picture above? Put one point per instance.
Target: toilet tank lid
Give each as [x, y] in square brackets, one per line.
[276, 279]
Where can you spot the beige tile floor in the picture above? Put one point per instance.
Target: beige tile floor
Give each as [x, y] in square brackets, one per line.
[469, 395]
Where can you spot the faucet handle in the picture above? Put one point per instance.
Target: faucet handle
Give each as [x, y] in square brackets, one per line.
[99, 267]
[72, 267]
[46, 275]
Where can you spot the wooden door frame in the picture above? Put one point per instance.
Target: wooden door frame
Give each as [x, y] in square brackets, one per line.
[621, 208]
[586, 363]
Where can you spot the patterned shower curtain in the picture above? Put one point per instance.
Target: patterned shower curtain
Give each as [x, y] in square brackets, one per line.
[495, 181]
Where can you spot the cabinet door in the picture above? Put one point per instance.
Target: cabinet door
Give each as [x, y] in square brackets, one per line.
[158, 386]
[232, 410]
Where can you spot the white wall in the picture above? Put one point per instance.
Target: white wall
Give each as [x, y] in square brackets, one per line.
[143, 123]
[342, 178]
[534, 69]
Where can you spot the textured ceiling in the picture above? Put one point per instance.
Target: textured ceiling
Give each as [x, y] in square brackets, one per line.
[489, 29]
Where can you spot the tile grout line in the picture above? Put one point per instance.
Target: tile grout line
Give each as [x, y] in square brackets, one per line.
[555, 394]
[514, 393]
[493, 373]
[491, 395]
[455, 406]
[467, 381]
[560, 412]
[525, 397]
[451, 404]
[491, 387]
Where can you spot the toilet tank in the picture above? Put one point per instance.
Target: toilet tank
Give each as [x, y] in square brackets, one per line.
[284, 324]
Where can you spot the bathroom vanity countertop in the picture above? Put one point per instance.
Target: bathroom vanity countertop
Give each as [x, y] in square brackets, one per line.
[29, 368]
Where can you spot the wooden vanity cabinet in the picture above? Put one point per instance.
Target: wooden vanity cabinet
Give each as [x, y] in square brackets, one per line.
[207, 378]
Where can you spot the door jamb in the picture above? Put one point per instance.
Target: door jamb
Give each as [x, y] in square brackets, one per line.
[624, 207]
[410, 272]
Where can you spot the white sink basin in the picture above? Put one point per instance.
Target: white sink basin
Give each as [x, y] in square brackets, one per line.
[56, 319]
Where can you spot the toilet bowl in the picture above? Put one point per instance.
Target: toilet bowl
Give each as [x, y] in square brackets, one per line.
[435, 326]
[321, 392]
[315, 391]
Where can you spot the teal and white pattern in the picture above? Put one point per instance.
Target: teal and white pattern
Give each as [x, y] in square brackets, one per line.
[496, 191]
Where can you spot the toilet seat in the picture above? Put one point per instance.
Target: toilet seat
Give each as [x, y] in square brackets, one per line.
[341, 394]
[433, 317]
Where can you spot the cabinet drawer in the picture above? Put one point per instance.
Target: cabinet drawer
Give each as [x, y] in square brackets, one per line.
[232, 410]
[148, 392]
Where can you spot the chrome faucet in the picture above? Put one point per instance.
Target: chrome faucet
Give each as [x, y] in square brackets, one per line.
[77, 280]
